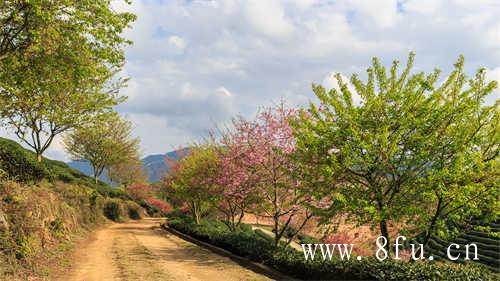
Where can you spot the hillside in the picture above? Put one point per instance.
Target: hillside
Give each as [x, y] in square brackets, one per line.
[155, 165]
[44, 206]
[488, 244]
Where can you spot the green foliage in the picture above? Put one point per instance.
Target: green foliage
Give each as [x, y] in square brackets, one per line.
[412, 151]
[245, 243]
[113, 210]
[307, 239]
[245, 227]
[26, 24]
[64, 75]
[119, 210]
[488, 246]
[133, 210]
[104, 143]
[190, 179]
[19, 164]
[371, 269]
[38, 216]
[259, 247]
[134, 214]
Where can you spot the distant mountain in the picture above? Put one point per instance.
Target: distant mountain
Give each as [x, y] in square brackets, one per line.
[155, 165]
[84, 167]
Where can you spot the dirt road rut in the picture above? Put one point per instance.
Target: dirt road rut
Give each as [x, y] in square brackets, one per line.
[141, 250]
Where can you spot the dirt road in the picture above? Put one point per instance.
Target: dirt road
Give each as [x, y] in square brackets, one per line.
[140, 250]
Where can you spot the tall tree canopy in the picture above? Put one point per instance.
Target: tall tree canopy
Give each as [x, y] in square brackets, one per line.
[415, 151]
[65, 74]
[26, 24]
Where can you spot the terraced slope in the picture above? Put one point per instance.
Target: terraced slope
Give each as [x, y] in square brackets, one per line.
[488, 245]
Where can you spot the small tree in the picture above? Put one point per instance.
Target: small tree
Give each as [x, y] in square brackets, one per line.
[411, 150]
[263, 147]
[103, 143]
[191, 179]
[44, 96]
[234, 185]
[129, 170]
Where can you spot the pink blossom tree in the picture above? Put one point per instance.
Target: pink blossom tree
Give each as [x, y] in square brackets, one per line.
[258, 162]
[141, 191]
[234, 183]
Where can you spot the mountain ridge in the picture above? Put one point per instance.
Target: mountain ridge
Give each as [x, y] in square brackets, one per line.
[155, 165]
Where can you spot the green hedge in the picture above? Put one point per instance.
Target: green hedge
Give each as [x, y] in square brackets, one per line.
[21, 165]
[369, 268]
[113, 210]
[255, 246]
[488, 244]
[243, 242]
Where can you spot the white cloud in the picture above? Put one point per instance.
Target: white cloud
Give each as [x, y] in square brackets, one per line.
[268, 17]
[196, 63]
[382, 13]
[423, 6]
[224, 91]
[494, 75]
[331, 82]
[176, 42]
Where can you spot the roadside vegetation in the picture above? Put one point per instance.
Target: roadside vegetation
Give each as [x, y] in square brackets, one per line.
[59, 65]
[44, 206]
[400, 153]
[259, 247]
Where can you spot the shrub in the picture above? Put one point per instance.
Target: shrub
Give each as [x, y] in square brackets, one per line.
[133, 210]
[36, 218]
[245, 243]
[246, 228]
[161, 205]
[113, 210]
[20, 164]
[369, 268]
[307, 239]
[259, 247]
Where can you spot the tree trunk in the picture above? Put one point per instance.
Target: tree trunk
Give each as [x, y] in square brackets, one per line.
[385, 232]
[432, 225]
[96, 174]
[39, 157]
[276, 230]
[196, 213]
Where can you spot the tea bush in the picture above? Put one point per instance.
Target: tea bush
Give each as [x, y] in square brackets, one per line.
[257, 246]
[21, 164]
[133, 210]
[113, 210]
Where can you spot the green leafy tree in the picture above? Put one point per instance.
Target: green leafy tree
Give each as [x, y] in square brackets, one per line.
[65, 75]
[414, 152]
[25, 24]
[191, 179]
[104, 143]
[128, 171]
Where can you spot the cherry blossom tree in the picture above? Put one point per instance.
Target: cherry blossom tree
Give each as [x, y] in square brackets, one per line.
[233, 182]
[260, 164]
[141, 191]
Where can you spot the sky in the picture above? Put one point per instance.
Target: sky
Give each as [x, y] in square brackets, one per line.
[196, 64]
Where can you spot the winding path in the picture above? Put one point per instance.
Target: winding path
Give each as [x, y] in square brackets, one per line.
[141, 250]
